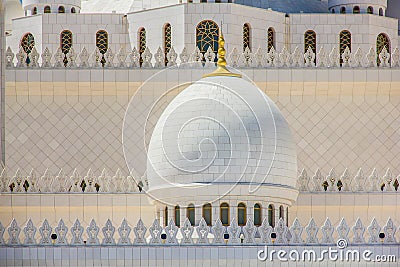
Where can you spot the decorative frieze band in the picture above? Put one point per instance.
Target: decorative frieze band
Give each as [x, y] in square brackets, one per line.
[247, 59]
[78, 235]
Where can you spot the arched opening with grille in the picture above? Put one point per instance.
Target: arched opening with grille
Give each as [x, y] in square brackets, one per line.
[207, 213]
[190, 214]
[102, 44]
[141, 43]
[271, 38]
[242, 214]
[310, 41]
[65, 44]
[344, 41]
[271, 215]
[370, 10]
[224, 213]
[27, 43]
[166, 216]
[382, 41]
[47, 9]
[246, 36]
[356, 10]
[342, 10]
[167, 34]
[257, 214]
[177, 216]
[34, 11]
[73, 10]
[61, 9]
[207, 33]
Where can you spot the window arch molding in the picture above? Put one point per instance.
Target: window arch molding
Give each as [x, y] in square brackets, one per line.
[246, 36]
[207, 34]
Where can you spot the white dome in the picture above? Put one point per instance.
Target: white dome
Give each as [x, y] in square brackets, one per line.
[221, 138]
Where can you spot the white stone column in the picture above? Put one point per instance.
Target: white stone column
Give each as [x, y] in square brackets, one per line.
[250, 211]
[233, 212]
[198, 211]
[162, 216]
[276, 211]
[214, 213]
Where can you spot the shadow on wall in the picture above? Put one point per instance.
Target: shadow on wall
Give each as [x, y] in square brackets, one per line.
[393, 10]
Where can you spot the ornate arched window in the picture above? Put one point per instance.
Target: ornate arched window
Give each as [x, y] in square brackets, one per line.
[310, 41]
[190, 214]
[34, 11]
[342, 10]
[61, 9]
[271, 38]
[281, 212]
[224, 213]
[246, 36]
[207, 210]
[142, 43]
[166, 216]
[257, 215]
[47, 9]
[370, 10]
[65, 44]
[380, 11]
[207, 33]
[242, 214]
[73, 10]
[27, 43]
[102, 44]
[382, 41]
[356, 10]
[167, 41]
[344, 41]
[177, 216]
[271, 215]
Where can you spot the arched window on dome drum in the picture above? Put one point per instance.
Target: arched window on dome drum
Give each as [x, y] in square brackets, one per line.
[207, 34]
[310, 41]
[382, 41]
[102, 44]
[356, 10]
[246, 37]
[65, 44]
[381, 12]
[342, 10]
[73, 10]
[47, 9]
[344, 41]
[34, 11]
[242, 214]
[190, 214]
[166, 216]
[257, 215]
[271, 38]
[224, 213]
[61, 9]
[370, 10]
[281, 212]
[177, 216]
[333, 11]
[27, 43]
[167, 41]
[207, 210]
[142, 43]
[271, 215]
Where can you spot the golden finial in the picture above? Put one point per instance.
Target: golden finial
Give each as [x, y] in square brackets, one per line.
[221, 63]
